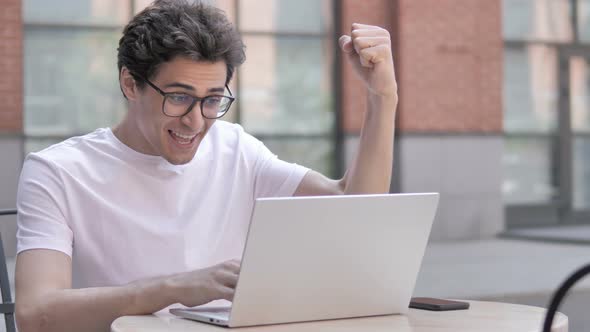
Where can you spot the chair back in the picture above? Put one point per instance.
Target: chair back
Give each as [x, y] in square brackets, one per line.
[7, 306]
[560, 294]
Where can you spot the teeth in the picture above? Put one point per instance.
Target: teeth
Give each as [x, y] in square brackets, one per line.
[186, 137]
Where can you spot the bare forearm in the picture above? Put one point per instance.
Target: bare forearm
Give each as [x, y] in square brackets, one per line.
[370, 171]
[93, 309]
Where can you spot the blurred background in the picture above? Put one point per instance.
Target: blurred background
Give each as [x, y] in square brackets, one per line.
[494, 114]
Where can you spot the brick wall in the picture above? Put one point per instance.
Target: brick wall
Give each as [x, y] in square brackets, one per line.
[450, 66]
[448, 56]
[11, 77]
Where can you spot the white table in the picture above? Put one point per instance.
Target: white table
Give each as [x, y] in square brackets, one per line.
[481, 316]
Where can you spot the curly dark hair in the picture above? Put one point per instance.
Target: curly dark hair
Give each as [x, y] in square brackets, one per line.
[170, 28]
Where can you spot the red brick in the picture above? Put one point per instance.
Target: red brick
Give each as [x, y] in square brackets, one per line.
[11, 60]
[451, 66]
[448, 57]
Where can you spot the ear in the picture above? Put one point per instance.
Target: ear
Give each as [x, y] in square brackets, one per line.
[127, 84]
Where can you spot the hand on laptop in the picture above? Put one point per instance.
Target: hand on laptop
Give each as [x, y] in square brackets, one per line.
[205, 285]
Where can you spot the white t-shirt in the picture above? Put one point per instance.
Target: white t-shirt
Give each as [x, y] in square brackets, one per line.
[123, 216]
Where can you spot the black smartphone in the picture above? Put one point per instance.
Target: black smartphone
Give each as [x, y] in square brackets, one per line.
[428, 303]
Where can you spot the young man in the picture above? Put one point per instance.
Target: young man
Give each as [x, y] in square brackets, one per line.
[155, 211]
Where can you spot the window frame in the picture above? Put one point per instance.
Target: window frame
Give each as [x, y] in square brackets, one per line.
[335, 134]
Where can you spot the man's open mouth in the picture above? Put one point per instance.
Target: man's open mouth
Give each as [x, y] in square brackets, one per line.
[182, 139]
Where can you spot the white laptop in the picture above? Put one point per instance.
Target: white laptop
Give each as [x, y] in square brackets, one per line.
[327, 257]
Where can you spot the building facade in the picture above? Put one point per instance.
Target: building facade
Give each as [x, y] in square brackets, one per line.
[294, 91]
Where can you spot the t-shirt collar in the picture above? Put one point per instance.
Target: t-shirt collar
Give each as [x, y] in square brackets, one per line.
[158, 161]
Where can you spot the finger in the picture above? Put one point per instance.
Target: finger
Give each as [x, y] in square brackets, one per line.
[364, 26]
[358, 33]
[369, 28]
[347, 47]
[236, 261]
[373, 55]
[366, 63]
[226, 293]
[226, 278]
[233, 265]
[345, 43]
[364, 42]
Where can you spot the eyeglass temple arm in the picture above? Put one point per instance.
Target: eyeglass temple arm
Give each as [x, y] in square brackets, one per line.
[227, 87]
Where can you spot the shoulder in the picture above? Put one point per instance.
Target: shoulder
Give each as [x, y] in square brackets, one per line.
[229, 141]
[71, 151]
[226, 130]
[232, 135]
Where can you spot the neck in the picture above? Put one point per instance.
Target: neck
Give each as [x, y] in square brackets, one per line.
[129, 134]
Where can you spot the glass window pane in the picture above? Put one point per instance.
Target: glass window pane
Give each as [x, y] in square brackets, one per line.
[580, 121]
[71, 81]
[580, 94]
[228, 6]
[528, 170]
[537, 20]
[530, 89]
[584, 20]
[581, 174]
[139, 5]
[286, 85]
[95, 12]
[308, 16]
[315, 153]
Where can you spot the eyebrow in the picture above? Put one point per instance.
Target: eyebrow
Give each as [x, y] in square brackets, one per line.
[191, 88]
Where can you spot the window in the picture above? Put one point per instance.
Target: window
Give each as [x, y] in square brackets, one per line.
[284, 90]
[70, 68]
[546, 118]
[534, 20]
[285, 85]
[532, 29]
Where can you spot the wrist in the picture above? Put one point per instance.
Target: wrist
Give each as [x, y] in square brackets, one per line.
[384, 98]
[169, 288]
[134, 298]
[149, 296]
[382, 103]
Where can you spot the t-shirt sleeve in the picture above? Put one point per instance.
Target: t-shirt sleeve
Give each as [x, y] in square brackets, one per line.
[41, 203]
[274, 177]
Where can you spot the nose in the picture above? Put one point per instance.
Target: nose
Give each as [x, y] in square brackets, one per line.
[194, 119]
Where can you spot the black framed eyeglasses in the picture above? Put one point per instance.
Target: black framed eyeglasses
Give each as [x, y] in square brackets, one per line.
[178, 104]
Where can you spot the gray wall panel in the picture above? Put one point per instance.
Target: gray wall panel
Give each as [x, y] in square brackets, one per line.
[11, 152]
[465, 169]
